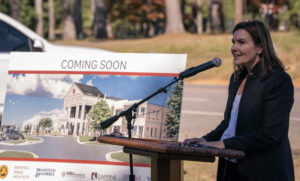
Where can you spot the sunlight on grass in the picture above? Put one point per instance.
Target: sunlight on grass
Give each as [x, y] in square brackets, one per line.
[15, 141]
[87, 138]
[124, 157]
[16, 154]
[33, 138]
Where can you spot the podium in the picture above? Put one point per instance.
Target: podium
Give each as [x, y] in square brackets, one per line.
[167, 156]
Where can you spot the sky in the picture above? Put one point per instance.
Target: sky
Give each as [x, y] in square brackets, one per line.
[30, 94]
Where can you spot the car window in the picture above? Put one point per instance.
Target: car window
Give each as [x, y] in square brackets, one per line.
[12, 40]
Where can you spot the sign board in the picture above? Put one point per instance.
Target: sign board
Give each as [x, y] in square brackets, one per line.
[54, 101]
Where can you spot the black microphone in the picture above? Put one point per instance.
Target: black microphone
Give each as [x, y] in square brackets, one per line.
[105, 124]
[216, 62]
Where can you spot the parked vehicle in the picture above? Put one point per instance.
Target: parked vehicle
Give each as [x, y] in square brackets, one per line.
[10, 134]
[14, 36]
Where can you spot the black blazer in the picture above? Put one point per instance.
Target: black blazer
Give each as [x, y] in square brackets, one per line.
[262, 126]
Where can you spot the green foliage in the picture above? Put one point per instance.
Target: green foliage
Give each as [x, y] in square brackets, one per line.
[4, 4]
[173, 117]
[86, 14]
[45, 123]
[27, 14]
[99, 113]
[27, 128]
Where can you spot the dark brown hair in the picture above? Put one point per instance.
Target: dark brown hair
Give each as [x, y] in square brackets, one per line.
[261, 36]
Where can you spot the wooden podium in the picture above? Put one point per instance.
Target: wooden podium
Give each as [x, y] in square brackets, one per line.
[167, 156]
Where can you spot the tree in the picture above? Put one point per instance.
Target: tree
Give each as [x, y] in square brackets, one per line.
[4, 6]
[45, 123]
[38, 4]
[14, 6]
[69, 32]
[173, 117]
[215, 16]
[51, 34]
[27, 128]
[238, 11]
[174, 17]
[198, 19]
[78, 19]
[99, 113]
[99, 19]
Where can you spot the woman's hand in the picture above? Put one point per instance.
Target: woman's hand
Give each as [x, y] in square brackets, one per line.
[186, 142]
[216, 144]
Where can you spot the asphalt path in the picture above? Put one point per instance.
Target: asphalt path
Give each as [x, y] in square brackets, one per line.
[65, 147]
[203, 107]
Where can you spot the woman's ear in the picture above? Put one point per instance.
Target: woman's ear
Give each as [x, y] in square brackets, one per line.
[259, 50]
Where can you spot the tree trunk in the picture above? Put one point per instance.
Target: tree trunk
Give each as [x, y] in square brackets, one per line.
[14, 6]
[51, 34]
[174, 17]
[38, 5]
[238, 11]
[99, 23]
[68, 22]
[215, 18]
[198, 19]
[78, 19]
[109, 29]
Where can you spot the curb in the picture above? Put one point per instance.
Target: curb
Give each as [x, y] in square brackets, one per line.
[109, 158]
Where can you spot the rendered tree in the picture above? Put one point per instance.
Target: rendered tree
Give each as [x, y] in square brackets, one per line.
[99, 113]
[45, 123]
[173, 117]
[27, 128]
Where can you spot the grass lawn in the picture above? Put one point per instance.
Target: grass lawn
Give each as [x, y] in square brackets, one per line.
[16, 154]
[201, 48]
[87, 138]
[28, 138]
[15, 141]
[90, 140]
[124, 157]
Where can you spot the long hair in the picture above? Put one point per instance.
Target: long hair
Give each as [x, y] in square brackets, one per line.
[260, 34]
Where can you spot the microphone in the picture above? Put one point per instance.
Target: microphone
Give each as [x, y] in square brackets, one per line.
[216, 62]
[105, 124]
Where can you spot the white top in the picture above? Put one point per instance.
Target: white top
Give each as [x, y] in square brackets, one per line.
[230, 130]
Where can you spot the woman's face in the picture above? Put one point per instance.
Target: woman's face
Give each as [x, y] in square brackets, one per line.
[244, 50]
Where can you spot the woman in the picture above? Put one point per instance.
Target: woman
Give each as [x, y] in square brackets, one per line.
[256, 119]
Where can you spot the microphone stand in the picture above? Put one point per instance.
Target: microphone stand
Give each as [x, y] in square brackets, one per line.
[129, 115]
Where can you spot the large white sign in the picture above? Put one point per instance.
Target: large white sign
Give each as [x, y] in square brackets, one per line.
[103, 63]
[54, 101]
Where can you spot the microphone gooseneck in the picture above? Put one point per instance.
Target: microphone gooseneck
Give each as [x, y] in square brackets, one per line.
[216, 62]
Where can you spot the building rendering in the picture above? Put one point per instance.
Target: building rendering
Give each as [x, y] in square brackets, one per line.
[80, 99]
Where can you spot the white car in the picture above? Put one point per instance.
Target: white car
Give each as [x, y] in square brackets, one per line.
[16, 37]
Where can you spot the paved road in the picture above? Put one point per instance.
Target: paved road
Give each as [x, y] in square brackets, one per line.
[65, 148]
[203, 107]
